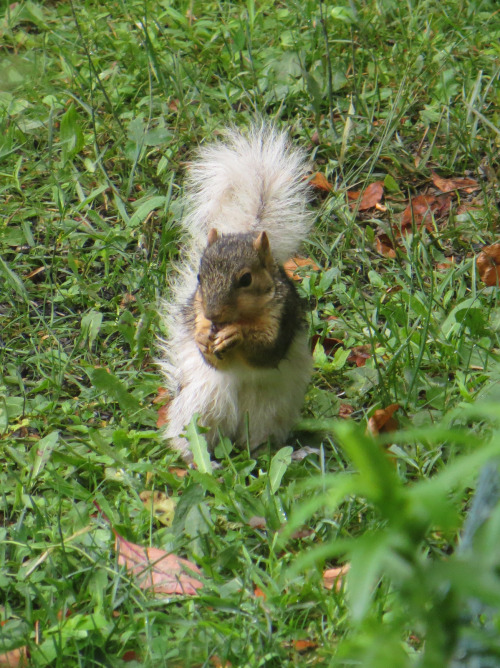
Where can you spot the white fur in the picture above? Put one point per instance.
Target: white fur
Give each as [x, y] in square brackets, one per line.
[253, 182]
[250, 182]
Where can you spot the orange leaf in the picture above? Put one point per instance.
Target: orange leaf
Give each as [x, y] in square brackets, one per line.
[294, 263]
[488, 264]
[157, 570]
[304, 645]
[449, 262]
[369, 197]
[218, 663]
[162, 396]
[382, 421]
[359, 355]
[258, 593]
[180, 473]
[419, 210]
[449, 185]
[16, 658]
[345, 411]
[334, 577]
[320, 181]
[385, 246]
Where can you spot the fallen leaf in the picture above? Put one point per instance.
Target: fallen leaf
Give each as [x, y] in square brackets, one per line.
[258, 593]
[469, 206]
[257, 522]
[180, 473]
[162, 396]
[334, 577]
[385, 246]
[370, 196]
[16, 658]
[294, 263]
[382, 421]
[162, 418]
[320, 181]
[130, 655]
[126, 300]
[218, 663]
[156, 570]
[161, 505]
[393, 289]
[359, 355]
[329, 344]
[304, 645]
[345, 411]
[449, 185]
[443, 266]
[488, 264]
[304, 532]
[419, 211]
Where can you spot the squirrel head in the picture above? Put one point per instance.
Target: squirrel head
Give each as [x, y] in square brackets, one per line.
[237, 277]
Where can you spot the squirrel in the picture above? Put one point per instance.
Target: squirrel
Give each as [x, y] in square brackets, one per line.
[237, 352]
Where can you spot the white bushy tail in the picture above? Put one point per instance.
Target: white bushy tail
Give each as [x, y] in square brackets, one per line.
[251, 181]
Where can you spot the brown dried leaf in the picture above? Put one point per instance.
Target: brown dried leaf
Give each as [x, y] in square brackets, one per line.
[302, 646]
[162, 418]
[257, 522]
[130, 655]
[444, 266]
[385, 246]
[370, 197]
[488, 264]
[127, 299]
[320, 181]
[420, 211]
[162, 396]
[359, 355]
[304, 532]
[334, 577]
[329, 344]
[294, 263]
[180, 473]
[218, 663]
[382, 421]
[449, 185]
[157, 570]
[345, 411]
[16, 658]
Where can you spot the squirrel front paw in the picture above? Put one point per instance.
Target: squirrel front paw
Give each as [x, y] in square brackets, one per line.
[225, 339]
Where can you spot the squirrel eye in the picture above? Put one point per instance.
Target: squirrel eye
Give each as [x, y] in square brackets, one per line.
[245, 280]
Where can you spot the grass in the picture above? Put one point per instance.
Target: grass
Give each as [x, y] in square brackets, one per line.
[101, 105]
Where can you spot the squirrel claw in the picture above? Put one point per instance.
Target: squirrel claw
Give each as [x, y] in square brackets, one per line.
[226, 338]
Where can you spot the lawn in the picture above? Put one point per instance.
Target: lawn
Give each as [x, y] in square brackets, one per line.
[102, 105]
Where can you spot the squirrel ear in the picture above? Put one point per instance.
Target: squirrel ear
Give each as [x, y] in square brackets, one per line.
[213, 235]
[261, 245]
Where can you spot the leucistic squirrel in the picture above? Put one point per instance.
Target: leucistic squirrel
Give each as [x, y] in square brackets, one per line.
[237, 352]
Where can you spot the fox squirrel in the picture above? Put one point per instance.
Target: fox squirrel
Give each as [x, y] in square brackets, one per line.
[238, 352]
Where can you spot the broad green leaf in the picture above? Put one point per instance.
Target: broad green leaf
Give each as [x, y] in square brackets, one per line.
[199, 446]
[279, 464]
